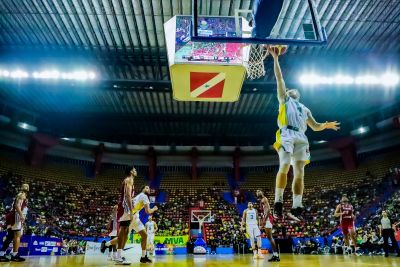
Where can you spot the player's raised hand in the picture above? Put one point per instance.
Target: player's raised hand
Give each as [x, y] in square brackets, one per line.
[334, 125]
[272, 52]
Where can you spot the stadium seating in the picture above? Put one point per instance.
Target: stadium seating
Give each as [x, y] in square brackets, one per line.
[64, 201]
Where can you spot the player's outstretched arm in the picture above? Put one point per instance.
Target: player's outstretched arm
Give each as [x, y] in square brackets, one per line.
[149, 210]
[316, 126]
[281, 87]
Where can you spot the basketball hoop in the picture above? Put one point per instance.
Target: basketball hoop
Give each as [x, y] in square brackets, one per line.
[201, 217]
[254, 60]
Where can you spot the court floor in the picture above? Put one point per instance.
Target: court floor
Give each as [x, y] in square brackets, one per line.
[218, 261]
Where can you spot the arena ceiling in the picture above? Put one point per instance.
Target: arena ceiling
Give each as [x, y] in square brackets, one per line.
[132, 99]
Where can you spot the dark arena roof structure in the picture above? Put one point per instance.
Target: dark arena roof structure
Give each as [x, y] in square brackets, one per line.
[131, 102]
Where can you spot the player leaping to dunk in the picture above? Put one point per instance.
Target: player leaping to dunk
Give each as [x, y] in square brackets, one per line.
[291, 141]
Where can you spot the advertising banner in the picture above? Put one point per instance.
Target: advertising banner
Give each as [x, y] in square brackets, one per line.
[179, 241]
[45, 246]
[36, 245]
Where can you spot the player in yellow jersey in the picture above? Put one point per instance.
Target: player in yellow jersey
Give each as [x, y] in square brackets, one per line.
[291, 141]
[139, 202]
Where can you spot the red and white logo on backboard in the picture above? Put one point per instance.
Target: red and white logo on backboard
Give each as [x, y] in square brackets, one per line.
[207, 84]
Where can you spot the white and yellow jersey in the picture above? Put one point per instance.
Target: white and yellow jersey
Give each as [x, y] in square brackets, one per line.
[139, 201]
[293, 113]
[251, 217]
[292, 122]
[150, 227]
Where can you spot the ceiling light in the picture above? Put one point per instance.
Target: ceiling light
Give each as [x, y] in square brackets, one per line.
[19, 74]
[360, 130]
[390, 79]
[27, 126]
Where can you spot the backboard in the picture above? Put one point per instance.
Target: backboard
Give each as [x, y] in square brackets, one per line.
[290, 22]
[201, 216]
[211, 72]
[207, 52]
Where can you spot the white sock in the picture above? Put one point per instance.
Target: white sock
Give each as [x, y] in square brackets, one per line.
[119, 251]
[143, 253]
[279, 194]
[14, 253]
[108, 244]
[2, 253]
[275, 254]
[297, 201]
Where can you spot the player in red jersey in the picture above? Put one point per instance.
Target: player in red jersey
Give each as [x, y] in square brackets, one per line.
[266, 222]
[125, 216]
[346, 213]
[113, 228]
[14, 221]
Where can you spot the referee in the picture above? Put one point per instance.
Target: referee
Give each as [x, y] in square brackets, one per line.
[387, 232]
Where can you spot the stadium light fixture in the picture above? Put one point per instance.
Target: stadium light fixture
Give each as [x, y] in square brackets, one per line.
[388, 79]
[53, 74]
[19, 74]
[343, 79]
[5, 73]
[68, 139]
[26, 126]
[360, 130]
[367, 80]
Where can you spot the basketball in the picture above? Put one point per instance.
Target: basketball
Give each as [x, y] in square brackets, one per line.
[279, 49]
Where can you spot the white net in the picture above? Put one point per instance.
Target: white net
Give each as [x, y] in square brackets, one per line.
[254, 63]
[201, 216]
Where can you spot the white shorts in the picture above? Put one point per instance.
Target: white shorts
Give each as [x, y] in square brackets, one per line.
[125, 217]
[253, 231]
[150, 240]
[18, 223]
[268, 224]
[136, 224]
[296, 144]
